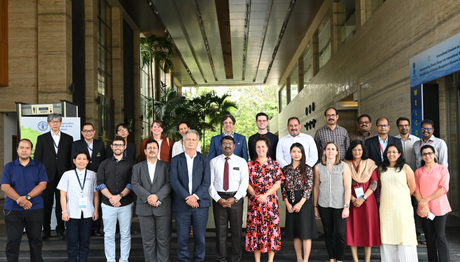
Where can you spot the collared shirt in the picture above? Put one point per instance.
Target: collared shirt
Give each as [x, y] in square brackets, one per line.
[90, 147]
[190, 171]
[383, 146]
[331, 187]
[439, 146]
[23, 179]
[360, 136]
[238, 176]
[151, 168]
[178, 148]
[56, 139]
[283, 150]
[325, 135]
[429, 181]
[70, 184]
[408, 149]
[115, 176]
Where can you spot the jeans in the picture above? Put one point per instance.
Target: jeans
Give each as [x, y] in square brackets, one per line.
[111, 215]
[15, 221]
[78, 233]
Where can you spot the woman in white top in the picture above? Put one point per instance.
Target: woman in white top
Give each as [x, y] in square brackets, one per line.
[78, 199]
[178, 147]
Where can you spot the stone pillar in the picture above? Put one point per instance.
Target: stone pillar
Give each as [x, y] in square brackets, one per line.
[54, 51]
[3, 42]
[336, 18]
[137, 90]
[117, 64]
[300, 71]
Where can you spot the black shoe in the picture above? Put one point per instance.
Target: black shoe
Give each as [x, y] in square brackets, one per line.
[45, 236]
[60, 235]
[96, 233]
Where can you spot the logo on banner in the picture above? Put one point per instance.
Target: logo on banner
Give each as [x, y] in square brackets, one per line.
[42, 126]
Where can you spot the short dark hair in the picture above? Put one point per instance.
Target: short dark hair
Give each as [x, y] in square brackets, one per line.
[121, 124]
[261, 114]
[227, 138]
[262, 138]
[432, 150]
[355, 143]
[336, 112]
[119, 138]
[79, 153]
[402, 119]
[182, 122]
[27, 140]
[380, 118]
[88, 124]
[225, 118]
[292, 118]
[151, 140]
[427, 121]
[364, 115]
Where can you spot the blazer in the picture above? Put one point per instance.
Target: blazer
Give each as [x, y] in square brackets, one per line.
[165, 149]
[130, 152]
[241, 148]
[143, 187]
[97, 156]
[55, 164]
[373, 147]
[179, 181]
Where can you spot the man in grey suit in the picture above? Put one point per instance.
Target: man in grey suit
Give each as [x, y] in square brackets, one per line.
[150, 182]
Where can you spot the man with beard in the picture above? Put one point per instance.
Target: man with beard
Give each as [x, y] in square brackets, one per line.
[364, 129]
[114, 181]
[407, 141]
[130, 151]
[262, 123]
[427, 130]
[283, 152]
[332, 132]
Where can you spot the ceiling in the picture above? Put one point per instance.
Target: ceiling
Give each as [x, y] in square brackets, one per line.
[227, 42]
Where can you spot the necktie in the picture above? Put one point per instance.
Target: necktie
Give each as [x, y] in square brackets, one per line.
[226, 174]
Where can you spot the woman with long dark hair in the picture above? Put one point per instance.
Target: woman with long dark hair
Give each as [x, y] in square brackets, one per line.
[432, 185]
[363, 223]
[397, 225]
[300, 216]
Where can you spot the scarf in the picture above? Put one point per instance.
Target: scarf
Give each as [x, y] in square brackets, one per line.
[364, 173]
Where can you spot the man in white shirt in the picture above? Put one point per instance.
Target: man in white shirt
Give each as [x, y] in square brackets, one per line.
[229, 182]
[283, 150]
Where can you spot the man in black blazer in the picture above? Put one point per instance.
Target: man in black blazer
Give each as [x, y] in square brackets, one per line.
[53, 150]
[376, 145]
[96, 152]
[130, 152]
[190, 180]
[150, 182]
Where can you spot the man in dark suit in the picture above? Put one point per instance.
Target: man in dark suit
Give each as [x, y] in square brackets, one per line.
[150, 182]
[241, 149]
[130, 152]
[53, 150]
[190, 180]
[96, 152]
[376, 145]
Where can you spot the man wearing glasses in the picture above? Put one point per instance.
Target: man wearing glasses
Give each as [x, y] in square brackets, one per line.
[114, 182]
[428, 138]
[96, 152]
[332, 132]
[364, 129]
[241, 149]
[377, 145]
[262, 123]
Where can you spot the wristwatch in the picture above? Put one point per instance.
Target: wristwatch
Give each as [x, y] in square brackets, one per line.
[346, 205]
[236, 199]
[121, 195]
[28, 197]
[365, 198]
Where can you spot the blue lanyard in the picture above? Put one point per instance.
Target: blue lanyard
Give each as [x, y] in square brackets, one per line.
[88, 146]
[84, 180]
[54, 142]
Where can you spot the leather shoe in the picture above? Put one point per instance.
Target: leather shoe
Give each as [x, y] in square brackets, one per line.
[45, 236]
[60, 235]
[96, 233]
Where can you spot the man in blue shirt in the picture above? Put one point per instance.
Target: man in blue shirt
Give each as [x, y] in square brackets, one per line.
[23, 182]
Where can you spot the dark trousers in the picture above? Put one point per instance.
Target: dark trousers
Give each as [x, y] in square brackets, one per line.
[15, 221]
[97, 223]
[49, 193]
[222, 216]
[78, 234]
[198, 218]
[436, 242]
[334, 231]
[418, 219]
[156, 237]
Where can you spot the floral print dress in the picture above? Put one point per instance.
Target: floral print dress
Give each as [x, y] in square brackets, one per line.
[263, 224]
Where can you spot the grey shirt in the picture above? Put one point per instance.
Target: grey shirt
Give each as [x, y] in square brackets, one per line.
[331, 188]
[408, 149]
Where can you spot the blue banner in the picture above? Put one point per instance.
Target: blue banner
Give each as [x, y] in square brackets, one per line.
[438, 61]
[416, 106]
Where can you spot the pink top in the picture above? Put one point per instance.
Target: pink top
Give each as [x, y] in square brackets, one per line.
[428, 181]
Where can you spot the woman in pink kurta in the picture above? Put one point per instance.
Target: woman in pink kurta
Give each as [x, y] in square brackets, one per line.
[432, 184]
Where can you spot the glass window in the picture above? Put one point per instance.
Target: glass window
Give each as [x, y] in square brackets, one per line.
[324, 42]
[347, 19]
[294, 82]
[104, 47]
[283, 98]
[307, 68]
[372, 6]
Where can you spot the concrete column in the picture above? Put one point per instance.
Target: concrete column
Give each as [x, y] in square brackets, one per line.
[280, 103]
[117, 64]
[360, 13]
[157, 87]
[3, 42]
[137, 90]
[300, 72]
[315, 54]
[336, 36]
[288, 90]
[179, 90]
[54, 50]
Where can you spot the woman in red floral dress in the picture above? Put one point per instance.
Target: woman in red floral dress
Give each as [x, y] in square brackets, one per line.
[263, 233]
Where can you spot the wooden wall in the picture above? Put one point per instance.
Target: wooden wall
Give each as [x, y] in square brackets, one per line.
[3, 42]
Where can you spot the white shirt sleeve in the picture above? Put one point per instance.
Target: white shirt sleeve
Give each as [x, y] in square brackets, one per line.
[312, 156]
[280, 153]
[244, 180]
[212, 190]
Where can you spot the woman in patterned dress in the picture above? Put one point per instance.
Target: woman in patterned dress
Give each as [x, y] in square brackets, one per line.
[300, 217]
[397, 224]
[263, 223]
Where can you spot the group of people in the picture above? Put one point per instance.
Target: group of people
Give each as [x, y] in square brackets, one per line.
[359, 184]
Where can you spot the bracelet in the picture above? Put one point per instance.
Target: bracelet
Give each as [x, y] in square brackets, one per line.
[64, 212]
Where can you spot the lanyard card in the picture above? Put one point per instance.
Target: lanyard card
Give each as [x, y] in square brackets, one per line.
[359, 192]
[82, 201]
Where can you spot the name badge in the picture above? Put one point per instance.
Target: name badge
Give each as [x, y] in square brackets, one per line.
[82, 201]
[236, 168]
[359, 192]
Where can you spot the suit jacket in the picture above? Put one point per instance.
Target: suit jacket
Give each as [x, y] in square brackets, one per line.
[130, 152]
[373, 147]
[241, 148]
[143, 187]
[55, 164]
[179, 181]
[97, 156]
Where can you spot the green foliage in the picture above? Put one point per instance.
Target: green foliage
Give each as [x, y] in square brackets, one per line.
[159, 50]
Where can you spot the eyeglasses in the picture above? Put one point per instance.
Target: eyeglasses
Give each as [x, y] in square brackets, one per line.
[383, 126]
[426, 129]
[227, 123]
[404, 125]
[123, 130]
[87, 131]
[55, 121]
[331, 115]
[118, 145]
[152, 148]
[427, 154]
[227, 144]
[392, 152]
[364, 123]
